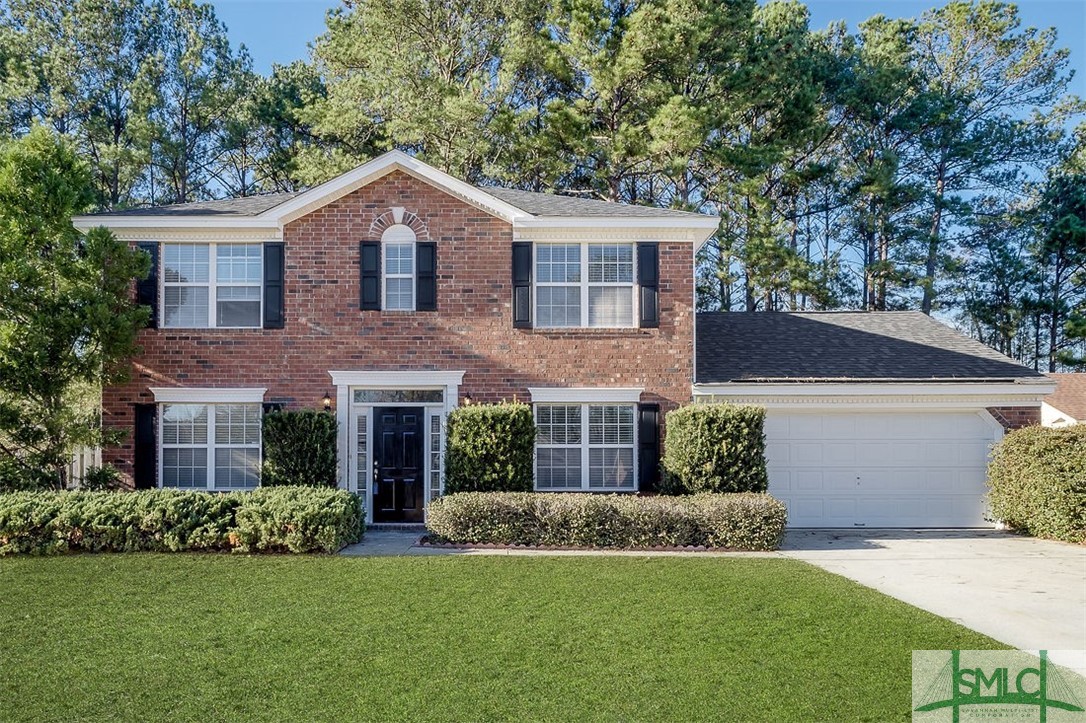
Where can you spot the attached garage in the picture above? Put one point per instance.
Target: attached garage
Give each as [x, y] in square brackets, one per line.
[909, 468]
[873, 419]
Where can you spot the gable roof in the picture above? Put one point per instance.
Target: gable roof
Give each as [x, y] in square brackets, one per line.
[522, 208]
[1070, 394]
[905, 346]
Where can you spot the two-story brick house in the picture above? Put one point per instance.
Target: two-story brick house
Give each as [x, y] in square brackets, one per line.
[395, 292]
[392, 294]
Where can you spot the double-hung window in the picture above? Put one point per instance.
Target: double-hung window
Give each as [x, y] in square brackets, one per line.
[584, 285]
[212, 285]
[210, 446]
[585, 447]
[399, 255]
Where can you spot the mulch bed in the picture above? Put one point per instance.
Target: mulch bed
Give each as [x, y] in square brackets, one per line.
[426, 541]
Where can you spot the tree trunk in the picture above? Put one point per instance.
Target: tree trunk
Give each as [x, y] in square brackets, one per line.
[933, 243]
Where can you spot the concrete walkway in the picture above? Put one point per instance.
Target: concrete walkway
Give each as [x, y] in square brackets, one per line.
[1022, 591]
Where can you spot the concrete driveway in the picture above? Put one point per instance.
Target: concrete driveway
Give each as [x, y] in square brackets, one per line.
[1021, 591]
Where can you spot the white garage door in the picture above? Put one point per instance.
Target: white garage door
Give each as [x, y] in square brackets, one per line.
[888, 469]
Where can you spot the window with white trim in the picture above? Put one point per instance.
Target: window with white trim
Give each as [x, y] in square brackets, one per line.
[566, 296]
[398, 252]
[585, 447]
[210, 446]
[212, 285]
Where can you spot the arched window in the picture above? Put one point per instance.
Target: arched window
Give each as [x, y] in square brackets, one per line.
[398, 252]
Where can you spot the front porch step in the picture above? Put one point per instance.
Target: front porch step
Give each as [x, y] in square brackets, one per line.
[397, 526]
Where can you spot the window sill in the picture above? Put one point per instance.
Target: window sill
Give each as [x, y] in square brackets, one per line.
[559, 331]
[190, 329]
[593, 490]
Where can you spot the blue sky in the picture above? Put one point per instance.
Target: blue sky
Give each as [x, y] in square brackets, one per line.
[280, 31]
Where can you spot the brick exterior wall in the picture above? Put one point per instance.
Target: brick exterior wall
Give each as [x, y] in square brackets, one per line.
[472, 329]
[1016, 417]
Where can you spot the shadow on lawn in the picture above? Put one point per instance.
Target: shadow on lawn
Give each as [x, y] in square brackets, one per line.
[866, 539]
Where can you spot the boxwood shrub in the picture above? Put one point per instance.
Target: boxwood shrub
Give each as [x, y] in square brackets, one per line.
[1037, 480]
[278, 519]
[299, 449]
[734, 521]
[715, 448]
[297, 519]
[490, 448]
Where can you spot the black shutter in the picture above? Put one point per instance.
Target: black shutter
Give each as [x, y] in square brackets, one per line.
[369, 275]
[426, 276]
[522, 285]
[144, 467]
[648, 277]
[147, 289]
[274, 267]
[648, 442]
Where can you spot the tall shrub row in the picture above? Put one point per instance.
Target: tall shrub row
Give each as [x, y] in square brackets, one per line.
[490, 448]
[299, 449]
[1038, 482]
[715, 448]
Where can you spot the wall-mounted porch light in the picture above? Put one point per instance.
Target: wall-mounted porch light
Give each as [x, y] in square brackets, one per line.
[327, 401]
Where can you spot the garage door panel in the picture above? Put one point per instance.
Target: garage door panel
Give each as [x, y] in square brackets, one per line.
[839, 453]
[809, 480]
[868, 453]
[805, 426]
[839, 426]
[905, 453]
[890, 469]
[940, 453]
[776, 426]
[806, 453]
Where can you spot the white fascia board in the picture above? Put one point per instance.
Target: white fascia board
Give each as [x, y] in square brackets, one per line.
[602, 395]
[208, 395]
[397, 379]
[700, 228]
[382, 165]
[86, 223]
[1027, 392]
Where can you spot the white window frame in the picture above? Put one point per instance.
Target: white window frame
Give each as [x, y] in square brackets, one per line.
[209, 398]
[212, 284]
[585, 284]
[386, 241]
[586, 446]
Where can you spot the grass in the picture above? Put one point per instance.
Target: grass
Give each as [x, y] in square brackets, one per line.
[198, 637]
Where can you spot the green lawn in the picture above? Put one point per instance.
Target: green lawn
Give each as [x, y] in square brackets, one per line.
[153, 637]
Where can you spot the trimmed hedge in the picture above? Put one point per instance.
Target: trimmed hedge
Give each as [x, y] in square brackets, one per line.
[278, 519]
[715, 448]
[734, 521]
[490, 448]
[297, 519]
[299, 449]
[1037, 480]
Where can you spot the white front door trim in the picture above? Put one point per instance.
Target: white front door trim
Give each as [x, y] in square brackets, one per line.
[346, 411]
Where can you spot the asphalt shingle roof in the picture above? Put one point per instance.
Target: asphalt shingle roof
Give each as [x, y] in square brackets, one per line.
[244, 206]
[537, 204]
[1070, 394]
[842, 346]
[552, 204]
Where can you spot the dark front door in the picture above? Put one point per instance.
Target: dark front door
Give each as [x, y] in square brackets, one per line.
[397, 485]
